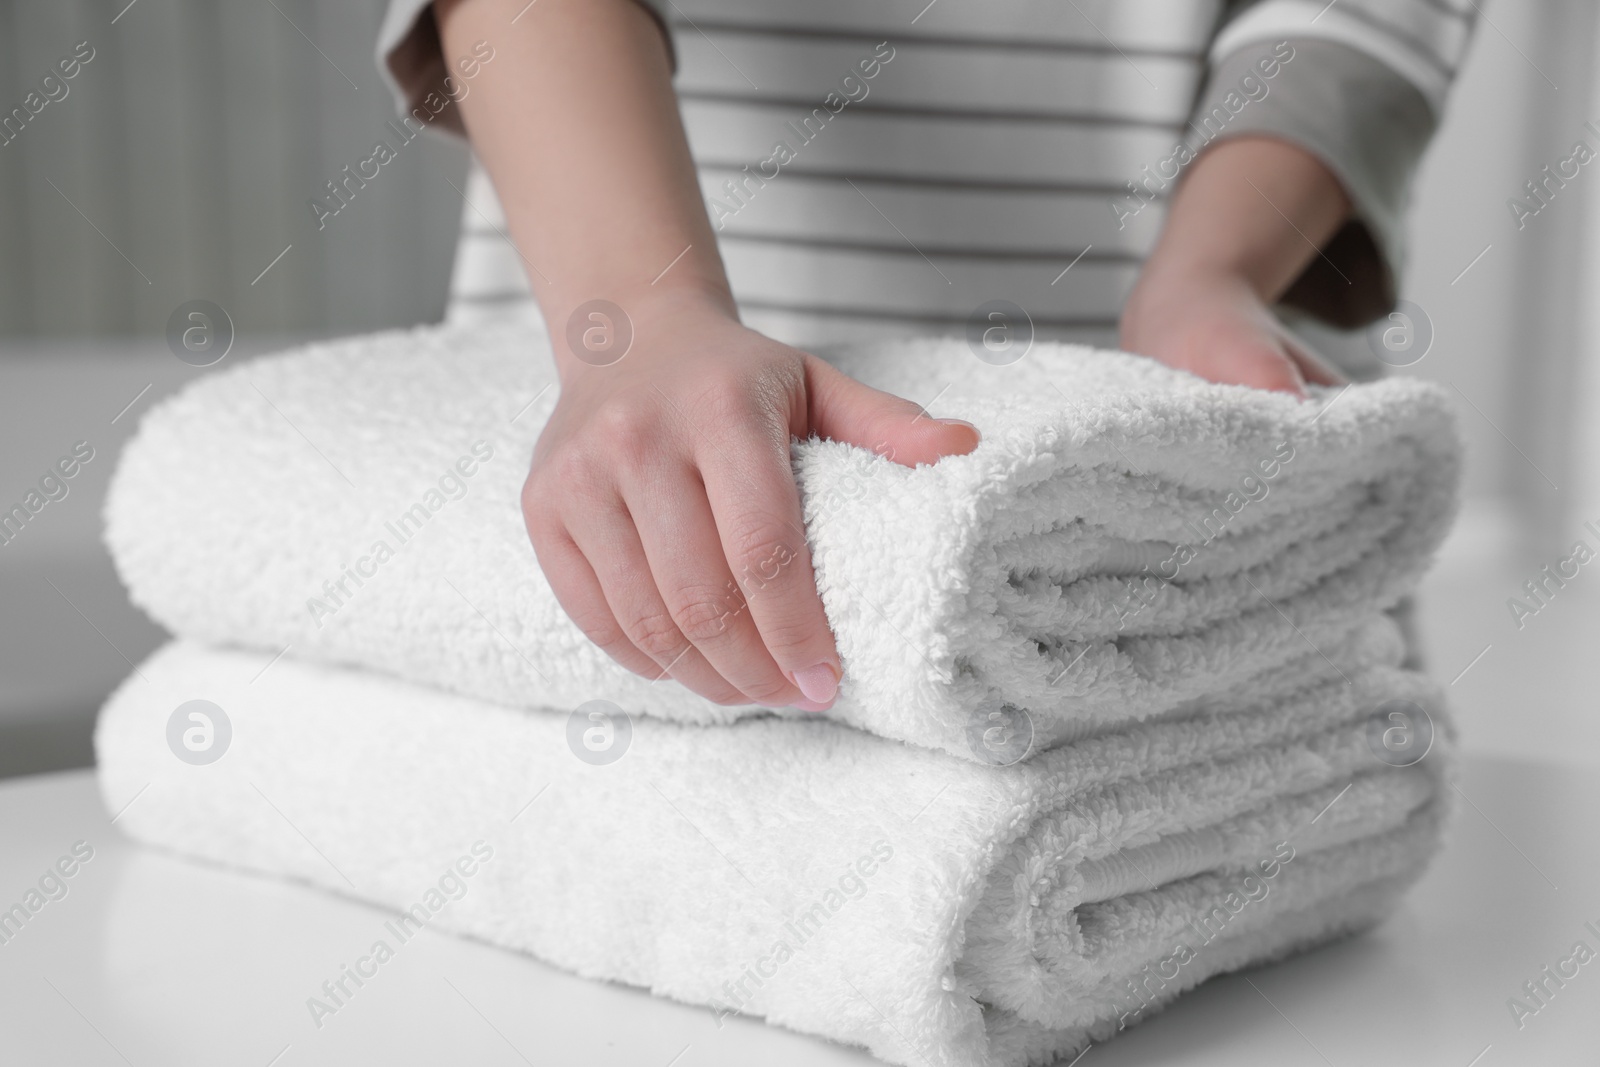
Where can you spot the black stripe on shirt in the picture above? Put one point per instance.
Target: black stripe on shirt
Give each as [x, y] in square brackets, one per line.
[832, 244]
[880, 178]
[1065, 118]
[498, 297]
[912, 40]
[924, 318]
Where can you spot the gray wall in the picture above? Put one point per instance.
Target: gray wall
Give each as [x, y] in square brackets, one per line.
[1510, 332]
[182, 158]
[193, 141]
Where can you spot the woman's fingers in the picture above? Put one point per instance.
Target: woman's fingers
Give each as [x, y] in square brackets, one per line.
[1257, 362]
[684, 541]
[608, 539]
[578, 591]
[1235, 349]
[1313, 366]
[756, 505]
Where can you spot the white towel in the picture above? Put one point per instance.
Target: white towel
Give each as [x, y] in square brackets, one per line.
[933, 910]
[358, 503]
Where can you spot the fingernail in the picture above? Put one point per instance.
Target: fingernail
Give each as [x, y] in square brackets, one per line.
[977, 434]
[810, 705]
[819, 684]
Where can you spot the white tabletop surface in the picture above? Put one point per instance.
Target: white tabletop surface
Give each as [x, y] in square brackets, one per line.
[154, 961]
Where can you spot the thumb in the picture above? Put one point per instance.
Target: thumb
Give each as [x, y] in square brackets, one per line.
[842, 409]
[1312, 366]
[1259, 364]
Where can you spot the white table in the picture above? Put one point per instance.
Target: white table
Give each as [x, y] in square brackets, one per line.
[154, 961]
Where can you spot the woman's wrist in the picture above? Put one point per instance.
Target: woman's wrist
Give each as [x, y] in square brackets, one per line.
[598, 330]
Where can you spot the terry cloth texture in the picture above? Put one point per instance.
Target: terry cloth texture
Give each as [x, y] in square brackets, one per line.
[1127, 540]
[933, 910]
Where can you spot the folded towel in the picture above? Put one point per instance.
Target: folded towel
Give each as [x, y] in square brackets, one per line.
[933, 910]
[1126, 539]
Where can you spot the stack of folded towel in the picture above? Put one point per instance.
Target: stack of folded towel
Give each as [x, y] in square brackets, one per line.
[1127, 709]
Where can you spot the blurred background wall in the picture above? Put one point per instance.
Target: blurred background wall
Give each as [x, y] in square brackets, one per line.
[180, 164]
[193, 141]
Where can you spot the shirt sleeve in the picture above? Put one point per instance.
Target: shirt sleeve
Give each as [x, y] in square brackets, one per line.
[411, 58]
[1360, 84]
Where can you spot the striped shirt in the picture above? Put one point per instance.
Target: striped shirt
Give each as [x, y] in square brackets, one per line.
[878, 167]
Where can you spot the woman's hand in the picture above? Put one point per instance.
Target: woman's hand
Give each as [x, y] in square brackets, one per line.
[663, 508]
[1247, 217]
[1213, 324]
[661, 501]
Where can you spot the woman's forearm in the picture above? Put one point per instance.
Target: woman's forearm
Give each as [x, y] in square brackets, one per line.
[579, 130]
[1255, 208]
